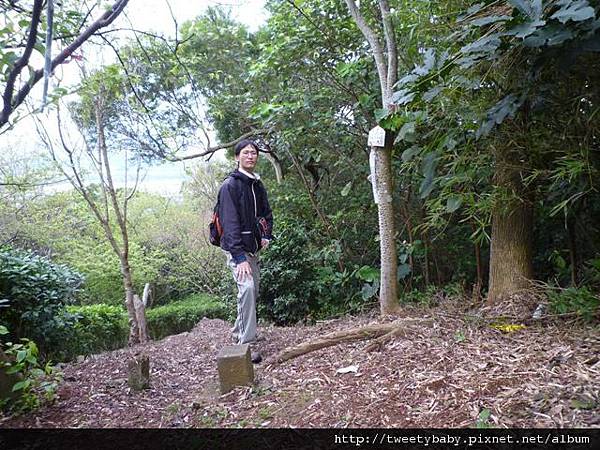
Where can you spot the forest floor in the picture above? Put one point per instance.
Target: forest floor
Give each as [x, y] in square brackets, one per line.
[449, 372]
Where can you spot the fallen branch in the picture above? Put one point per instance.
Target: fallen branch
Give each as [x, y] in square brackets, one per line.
[381, 331]
[398, 331]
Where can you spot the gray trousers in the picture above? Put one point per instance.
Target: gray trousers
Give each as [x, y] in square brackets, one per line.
[245, 324]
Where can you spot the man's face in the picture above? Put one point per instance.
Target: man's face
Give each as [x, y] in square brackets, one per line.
[247, 158]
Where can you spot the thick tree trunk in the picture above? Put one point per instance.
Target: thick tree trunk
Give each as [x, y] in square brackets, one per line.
[512, 228]
[388, 293]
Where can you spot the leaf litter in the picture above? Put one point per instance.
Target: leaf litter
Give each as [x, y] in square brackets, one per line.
[459, 372]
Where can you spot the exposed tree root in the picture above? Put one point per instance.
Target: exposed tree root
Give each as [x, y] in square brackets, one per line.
[380, 341]
[381, 332]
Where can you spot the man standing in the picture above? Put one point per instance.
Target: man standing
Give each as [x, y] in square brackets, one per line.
[247, 223]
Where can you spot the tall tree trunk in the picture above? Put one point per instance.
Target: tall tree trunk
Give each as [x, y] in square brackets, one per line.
[388, 293]
[120, 212]
[512, 233]
[134, 332]
[385, 54]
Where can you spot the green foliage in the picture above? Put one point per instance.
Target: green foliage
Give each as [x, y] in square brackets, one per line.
[432, 294]
[483, 418]
[183, 315]
[581, 301]
[370, 275]
[166, 238]
[480, 83]
[172, 242]
[289, 278]
[34, 381]
[103, 280]
[37, 291]
[98, 328]
[104, 283]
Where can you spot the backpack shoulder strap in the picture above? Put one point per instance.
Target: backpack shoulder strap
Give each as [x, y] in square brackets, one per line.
[226, 180]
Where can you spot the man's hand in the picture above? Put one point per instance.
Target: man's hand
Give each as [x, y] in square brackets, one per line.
[243, 270]
[264, 243]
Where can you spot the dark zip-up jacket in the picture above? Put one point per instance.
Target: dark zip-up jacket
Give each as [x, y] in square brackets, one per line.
[242, 203]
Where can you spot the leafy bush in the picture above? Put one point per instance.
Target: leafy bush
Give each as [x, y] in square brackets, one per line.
[289, 278]
[432, 294]
[36, 292]
[33, 381]
[98, 328]
[103, 279]
[183, 315]
[575, 300]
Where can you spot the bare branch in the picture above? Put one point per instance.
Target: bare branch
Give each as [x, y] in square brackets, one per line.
[11, 104]
[98, 109]
[376, 47]
[128, 76]
[12, 4]
[24, 185]
[75, 180]
[137, 181]
[21, 63]
[185, 70]
[392, 52]
[173, 17]
[212, 150]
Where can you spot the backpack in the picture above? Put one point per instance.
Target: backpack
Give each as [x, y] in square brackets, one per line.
[215, 229]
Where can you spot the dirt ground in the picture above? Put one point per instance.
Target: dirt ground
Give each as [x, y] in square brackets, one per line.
[452, 371]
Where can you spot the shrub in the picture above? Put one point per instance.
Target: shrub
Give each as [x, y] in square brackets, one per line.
[36, 292]
[289, 278]
[103, 279]
[32, 381]
[575, 300]
[183, 315]
[432, 295]
[98, 328]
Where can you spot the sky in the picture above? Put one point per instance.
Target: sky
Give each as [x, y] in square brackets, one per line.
[155, 15]
[146, 15]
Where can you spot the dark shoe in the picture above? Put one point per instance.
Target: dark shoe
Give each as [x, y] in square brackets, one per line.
[255, 357]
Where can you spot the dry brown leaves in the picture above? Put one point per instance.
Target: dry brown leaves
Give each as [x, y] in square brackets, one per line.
[545, 375]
